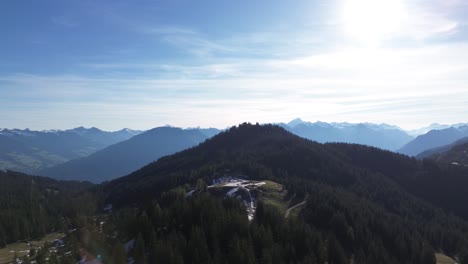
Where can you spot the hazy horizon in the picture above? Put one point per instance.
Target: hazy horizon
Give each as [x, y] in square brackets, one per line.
[217, 127]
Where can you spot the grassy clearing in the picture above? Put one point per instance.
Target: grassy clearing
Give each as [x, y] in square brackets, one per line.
[443, 259]
[272, 193]
[7, 254]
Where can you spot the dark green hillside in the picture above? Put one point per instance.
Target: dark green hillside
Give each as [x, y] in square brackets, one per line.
[440, 150]
[262, 152]
[32, 206]
[270, 152]
[455, 154]
[363, 204]
[441, 184]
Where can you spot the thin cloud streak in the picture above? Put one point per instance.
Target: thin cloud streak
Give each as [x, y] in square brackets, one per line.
[266, 76]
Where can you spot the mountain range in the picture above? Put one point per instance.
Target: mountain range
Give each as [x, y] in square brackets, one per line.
[434, 126]
[124, 157]
[309, 203]
[381, 207]
[377, 135]
[434, 139]
[30, 151]
[127, 156]
[96, 155]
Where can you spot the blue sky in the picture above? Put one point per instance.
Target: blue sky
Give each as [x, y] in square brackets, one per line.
[142, 64]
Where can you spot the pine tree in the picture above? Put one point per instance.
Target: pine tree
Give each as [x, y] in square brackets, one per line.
[464, 257]
[53, 259]
[197, 247]
[266, 256]
[336, 253]
[428, 255]
[2, 237]
[139, 250]
[118, 254]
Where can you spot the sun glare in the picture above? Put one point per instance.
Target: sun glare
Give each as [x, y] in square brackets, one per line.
[373, 20]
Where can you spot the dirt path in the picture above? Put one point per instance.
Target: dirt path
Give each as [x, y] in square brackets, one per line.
[286, 215]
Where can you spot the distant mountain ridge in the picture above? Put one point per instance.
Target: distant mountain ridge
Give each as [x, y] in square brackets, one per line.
[377, 135]
[434, 139]
[35, 151]
[124, 157]
[434, 126]
[120, 159]
[28, 151]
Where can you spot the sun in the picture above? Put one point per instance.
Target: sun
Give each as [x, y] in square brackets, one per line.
[373, 20]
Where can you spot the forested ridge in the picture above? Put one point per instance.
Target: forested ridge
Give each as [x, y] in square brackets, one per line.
[270, 152]
[455, 154]
[30, 206]
[364, 204]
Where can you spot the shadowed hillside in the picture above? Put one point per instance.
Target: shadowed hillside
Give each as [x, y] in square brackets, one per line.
[127, 156]
[373, 206]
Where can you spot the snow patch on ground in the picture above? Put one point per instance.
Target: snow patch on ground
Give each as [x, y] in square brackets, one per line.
[237, 185]
[232, 192]
[189, 194]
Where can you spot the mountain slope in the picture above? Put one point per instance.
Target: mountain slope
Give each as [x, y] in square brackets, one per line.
[30, 151]
[381, 136]
[270, 152]
[376, 206]
[127, 156]
[439, 150]
[434, 139]
[31, 206]
[455, 153]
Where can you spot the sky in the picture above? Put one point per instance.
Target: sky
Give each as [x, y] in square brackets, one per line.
[216, 63]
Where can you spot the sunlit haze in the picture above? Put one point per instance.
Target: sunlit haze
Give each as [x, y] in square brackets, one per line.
[115, 64]
[374, 20]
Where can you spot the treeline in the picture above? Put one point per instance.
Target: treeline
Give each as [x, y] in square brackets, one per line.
[207, 229]
[31, 207]
[204, 229]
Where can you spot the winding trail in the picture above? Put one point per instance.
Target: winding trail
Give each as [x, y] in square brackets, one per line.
[286, 215]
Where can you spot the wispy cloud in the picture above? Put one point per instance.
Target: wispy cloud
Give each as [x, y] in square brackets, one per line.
[425, 24]
[186, 39]
[408, 87]
[166, 30]
[64, 21]
[434, 18]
